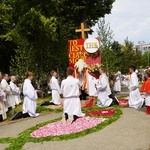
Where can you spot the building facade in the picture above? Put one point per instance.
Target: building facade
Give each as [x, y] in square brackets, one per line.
[142, 46]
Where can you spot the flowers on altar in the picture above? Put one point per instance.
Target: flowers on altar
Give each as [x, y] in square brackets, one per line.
[94, 68]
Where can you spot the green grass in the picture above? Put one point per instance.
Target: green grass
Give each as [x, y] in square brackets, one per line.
[40, 109]
[122, 96]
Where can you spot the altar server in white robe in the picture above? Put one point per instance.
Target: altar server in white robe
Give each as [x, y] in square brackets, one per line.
[3, 114]
[15, 91]
[103, 90]
[6, 88]
[55, 88]
[70, 90]
[117, 85]
[30, 96]
[3, 108]
[135, 99]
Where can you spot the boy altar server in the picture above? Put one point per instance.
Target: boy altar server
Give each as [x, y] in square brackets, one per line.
[135, 99]
[55, 89]
[3, 108]
[103, 90]
[15, 91]
[70, 90]
[3, 114]
[117, 85]
[30, 96]
[6, 88]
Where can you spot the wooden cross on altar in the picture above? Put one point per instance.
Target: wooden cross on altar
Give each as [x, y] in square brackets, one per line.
[82, 30]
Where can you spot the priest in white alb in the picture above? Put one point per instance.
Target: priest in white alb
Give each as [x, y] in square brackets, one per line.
[55, 89]
[87, 81]
[80, 70]
[70, 90]
[103, 90]
[135, 99]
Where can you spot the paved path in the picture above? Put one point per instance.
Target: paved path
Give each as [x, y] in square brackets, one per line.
[13, 128]
[130, 132]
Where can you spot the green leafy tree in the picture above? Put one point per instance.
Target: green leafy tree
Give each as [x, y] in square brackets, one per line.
[35, 35]
[118, 56]
[105, 33]
[131, 56]
[108, 58]
[6, 44]
[21, 62]
[146, 59]
[107, 54]
[42, 28]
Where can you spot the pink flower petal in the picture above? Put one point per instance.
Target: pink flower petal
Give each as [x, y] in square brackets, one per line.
[58, 128]
[123, 102]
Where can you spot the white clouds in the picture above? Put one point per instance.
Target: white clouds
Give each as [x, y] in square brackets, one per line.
[130, 18]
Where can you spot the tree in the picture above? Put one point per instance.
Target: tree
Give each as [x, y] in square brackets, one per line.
[105, 33]
[118, 56]
[108, 58]
[33, 53]
[22, 61]
[130, 56]
[106, 37]
[146, 59]
[76, 10]
[6, 45]
[42, 28]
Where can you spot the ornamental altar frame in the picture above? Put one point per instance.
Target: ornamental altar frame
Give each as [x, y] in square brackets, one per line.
[87, 51]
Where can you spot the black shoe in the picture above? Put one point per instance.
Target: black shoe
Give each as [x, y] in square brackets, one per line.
[9, 108]
[46, 103]
[17, 115]
[1, 118]
[75, 117]
[25, 115]
[143, 103]
[66, 116]
[51, 103]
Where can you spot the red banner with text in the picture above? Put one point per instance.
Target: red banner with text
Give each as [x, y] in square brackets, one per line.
[77, 51]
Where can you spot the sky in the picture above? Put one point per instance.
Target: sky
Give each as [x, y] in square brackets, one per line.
[129, 18]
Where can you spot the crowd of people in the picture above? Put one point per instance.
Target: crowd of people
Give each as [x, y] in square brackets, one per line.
[9, 94]
[70, 91]
[132, 80]
[105, 97]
